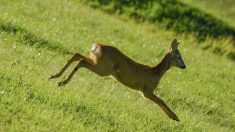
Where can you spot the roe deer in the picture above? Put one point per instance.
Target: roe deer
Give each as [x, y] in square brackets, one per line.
[107, 60]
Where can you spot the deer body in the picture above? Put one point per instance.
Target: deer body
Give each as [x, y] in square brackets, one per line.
[124, 69]
[107, 60]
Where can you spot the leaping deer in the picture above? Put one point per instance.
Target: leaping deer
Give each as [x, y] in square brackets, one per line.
[107, 60]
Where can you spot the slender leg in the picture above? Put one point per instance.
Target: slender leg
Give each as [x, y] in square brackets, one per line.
[75, 57]
[70, 76]
[162, 104]
[84, 62]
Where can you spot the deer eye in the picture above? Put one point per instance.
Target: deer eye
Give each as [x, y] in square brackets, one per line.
[179, 57]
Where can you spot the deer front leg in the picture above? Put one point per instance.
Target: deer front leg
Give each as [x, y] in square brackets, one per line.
[162, 104]
[75, 57]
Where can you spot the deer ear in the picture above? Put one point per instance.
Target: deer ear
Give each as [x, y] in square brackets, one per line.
[174, 45]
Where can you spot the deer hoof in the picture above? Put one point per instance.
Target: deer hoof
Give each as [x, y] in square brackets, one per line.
[60, 83]
[54, 76]
[51, 77]
[176, 118]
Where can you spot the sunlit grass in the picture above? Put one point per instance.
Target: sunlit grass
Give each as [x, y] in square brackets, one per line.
[202, 95]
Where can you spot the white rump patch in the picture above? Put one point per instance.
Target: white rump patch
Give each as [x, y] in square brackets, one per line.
[96, 50]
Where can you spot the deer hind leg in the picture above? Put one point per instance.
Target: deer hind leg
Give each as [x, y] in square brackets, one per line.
[75, 57]
[161, 103]
[84, 62]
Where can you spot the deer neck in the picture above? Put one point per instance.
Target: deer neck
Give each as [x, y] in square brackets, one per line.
[163, 66]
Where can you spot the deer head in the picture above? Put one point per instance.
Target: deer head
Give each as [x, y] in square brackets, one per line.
[175, 57]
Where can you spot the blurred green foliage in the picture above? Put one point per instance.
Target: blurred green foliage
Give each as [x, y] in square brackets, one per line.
[172, 14]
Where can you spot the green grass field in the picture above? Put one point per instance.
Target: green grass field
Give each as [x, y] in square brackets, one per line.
[38, 37]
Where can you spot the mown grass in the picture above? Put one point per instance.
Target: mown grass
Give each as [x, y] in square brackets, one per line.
[202, 95]
[27, 38]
